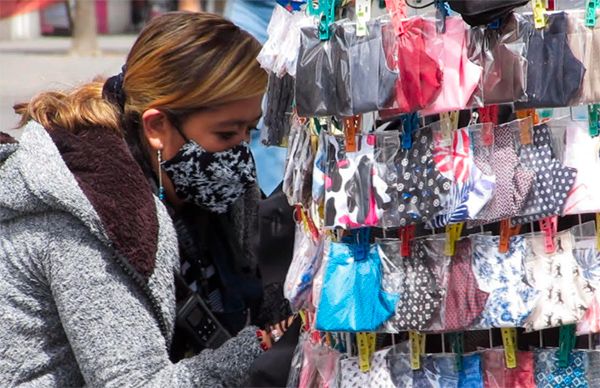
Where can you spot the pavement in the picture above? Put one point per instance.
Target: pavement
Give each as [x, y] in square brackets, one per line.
[28, 67]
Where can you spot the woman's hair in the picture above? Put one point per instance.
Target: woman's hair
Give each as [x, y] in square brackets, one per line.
[181, 62]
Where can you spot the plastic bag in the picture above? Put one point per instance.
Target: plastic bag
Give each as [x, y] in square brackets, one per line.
[308, 250]
[386, 150]
[378, 375]
[483, 12]
[564, 293]
[316, 93]
[412, 279]
[297, 178]
[461, 77]
[548, 373]
[365, 83]
[497, 375]
[554, 74]
[585, 43]
[297, 362]
[420, 76]
[351, 297]
[320, 169]
[278, 110]
[502, 55]
[420, 186]
[354, 195]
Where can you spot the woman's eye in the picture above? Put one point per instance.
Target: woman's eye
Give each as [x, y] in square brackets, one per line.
[226, 136]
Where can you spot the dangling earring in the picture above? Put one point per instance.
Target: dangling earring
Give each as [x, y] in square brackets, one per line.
[161, 189]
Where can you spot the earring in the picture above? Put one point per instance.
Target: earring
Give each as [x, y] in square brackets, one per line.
[161, 189]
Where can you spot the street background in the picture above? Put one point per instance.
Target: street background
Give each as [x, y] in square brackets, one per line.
[30, 66]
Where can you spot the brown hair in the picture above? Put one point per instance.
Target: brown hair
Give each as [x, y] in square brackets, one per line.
[181, 61]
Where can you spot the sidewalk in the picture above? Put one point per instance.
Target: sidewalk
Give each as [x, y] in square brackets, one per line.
[28, 67]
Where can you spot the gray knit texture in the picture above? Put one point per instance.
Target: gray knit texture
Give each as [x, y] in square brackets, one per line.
[69, 314]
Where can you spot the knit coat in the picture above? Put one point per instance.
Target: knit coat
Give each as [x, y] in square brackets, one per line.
[87, 262]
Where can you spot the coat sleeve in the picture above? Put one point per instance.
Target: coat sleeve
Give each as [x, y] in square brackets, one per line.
[111, 327]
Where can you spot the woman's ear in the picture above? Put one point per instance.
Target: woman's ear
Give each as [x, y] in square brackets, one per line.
[156, 128]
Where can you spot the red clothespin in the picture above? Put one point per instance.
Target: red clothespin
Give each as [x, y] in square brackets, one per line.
[489, 114]
[549, 226]
[406, 234]
[506, 232]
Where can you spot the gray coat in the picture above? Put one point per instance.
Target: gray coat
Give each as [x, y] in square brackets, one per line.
[76, 307]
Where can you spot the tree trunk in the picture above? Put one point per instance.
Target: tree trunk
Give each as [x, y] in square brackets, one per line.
[85, 36]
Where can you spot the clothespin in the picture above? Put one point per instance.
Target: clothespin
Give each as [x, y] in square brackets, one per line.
[550, 5]
[590, 12]
[598, 232]
[566, 344]
[326, 13]
[539, 13]
[454, 116]
[351, 124]
[441, 13]
[549, 226]
[494, 25]
[364, 358]
[415, 350]
[305, 324]
[506, 232]
[453, 232]
[410, 123]
[363, 15]
[406, 234]
[593, 119]
[397, 10]
[526, 125]
[458, 347]
[509, 341]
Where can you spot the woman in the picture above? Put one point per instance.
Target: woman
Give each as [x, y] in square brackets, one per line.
[88, 252]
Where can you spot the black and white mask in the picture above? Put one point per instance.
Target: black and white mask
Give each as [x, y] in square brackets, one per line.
[213, 180]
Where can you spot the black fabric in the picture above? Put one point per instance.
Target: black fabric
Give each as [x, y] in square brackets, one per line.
[482, 12]
[554, 74]
[271, 369]
[280, 97]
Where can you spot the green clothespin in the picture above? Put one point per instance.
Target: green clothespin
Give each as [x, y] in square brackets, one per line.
[326, 14]
[566, 344]
[590, 12]
[458, 347]
[593, 117]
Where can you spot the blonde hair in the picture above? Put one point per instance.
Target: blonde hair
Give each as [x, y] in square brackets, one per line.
[181, 61]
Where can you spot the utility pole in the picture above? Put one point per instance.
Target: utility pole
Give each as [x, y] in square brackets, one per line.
[85, 34]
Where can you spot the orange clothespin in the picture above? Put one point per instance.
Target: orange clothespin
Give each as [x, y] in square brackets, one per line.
[506, 232]
[351, 127]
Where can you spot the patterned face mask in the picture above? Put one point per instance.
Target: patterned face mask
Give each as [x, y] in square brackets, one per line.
[213, 180]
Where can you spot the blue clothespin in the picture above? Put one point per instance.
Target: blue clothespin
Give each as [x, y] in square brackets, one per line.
[410, 123]
[441, 13]
[495, 25]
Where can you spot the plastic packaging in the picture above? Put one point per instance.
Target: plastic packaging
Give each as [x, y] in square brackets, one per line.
[351, 297]
[461, 76]
[386, 150]
[483, 12]
[585, 43]
[548, 373]
[305, 261]
[497, 375]
[297, 178]
[377, 376]
[297, 362]
[420, 76]
[412, 279]
[278, 110]
[554, 74]
[354, 195]
[564, 294]
[502, 55]
[365, 82]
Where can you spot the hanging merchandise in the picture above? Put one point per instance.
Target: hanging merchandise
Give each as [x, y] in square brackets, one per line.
[421, 189]
[378, 374]
[483, 12]
[354, 195]
[549, 374]
[552, 183]
[415, 282]
[513, 182]
[461, 77]
[352, 298]
[497, 375]
[502, 55]
[365, 82]
[549, 57]
[297, 362]
[584, 41]
[465, 301]
[564, 294]
[276, 119]
[415, 56]
[436, 371]
[319, 366]
[582, 153]
[502, 275]
[297, 178]
[308, 250]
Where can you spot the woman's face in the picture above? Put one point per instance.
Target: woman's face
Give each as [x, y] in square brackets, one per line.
[217, 129]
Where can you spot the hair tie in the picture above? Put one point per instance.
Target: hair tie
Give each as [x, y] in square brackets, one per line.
[113, 89]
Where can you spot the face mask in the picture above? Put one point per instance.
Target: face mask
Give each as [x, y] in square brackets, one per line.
[213, 180]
